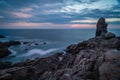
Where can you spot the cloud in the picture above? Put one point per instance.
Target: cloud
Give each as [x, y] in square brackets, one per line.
[21, 15]
[59, 12]
[113, 19]
[45, 25]
[34, 25]
[1, 16]
[83, 21]
[78, 7]
[26, 9]
[95, 20]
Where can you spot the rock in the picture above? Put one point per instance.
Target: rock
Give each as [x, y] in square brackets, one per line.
[93, 59]
[44, 43]
[101, 27]
[14, 43]
[1, 36]
[4, 65]
[118, 45]
[4, 52]
[26, 42]
[112, 55]
[8, 44]
[67, 61]
[110, 70]
[6, 76]
[109, 35]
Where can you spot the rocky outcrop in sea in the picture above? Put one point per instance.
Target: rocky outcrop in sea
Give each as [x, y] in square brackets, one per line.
[4, 51]
[95, 59]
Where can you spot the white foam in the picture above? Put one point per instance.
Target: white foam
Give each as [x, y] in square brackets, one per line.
[13, 52]
[39, 52]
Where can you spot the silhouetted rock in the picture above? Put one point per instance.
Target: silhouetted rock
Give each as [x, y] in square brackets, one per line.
[101, 27]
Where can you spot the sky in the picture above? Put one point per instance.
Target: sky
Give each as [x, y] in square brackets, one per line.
[58, 14]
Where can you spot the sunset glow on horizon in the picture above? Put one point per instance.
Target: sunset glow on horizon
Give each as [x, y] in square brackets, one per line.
[58, 14]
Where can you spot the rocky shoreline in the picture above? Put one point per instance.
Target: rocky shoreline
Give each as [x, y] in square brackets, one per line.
[4, 51]
[95, 59]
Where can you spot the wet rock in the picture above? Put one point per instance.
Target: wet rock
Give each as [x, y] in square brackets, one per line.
[4, 52]
[25, 42]
[12, 43]
[8, 44]
[44, 43]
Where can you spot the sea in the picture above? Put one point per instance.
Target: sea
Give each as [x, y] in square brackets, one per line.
[39, 43]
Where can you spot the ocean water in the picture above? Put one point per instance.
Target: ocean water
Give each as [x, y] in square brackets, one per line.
[43, 42]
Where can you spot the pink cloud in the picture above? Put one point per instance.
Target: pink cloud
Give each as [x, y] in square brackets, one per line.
[34, 25]
[21, 15]
[49, 25]
[82, 26]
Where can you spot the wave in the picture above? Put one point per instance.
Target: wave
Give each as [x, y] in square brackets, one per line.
[38, 52]
[13, 52]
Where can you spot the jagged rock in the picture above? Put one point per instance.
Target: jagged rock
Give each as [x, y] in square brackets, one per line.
[101, 27]
[109, 35]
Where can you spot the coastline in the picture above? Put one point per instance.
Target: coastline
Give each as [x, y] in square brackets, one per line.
[97, 58]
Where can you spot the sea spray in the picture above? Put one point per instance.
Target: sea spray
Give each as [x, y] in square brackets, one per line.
[39, 52]
[13, 52]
